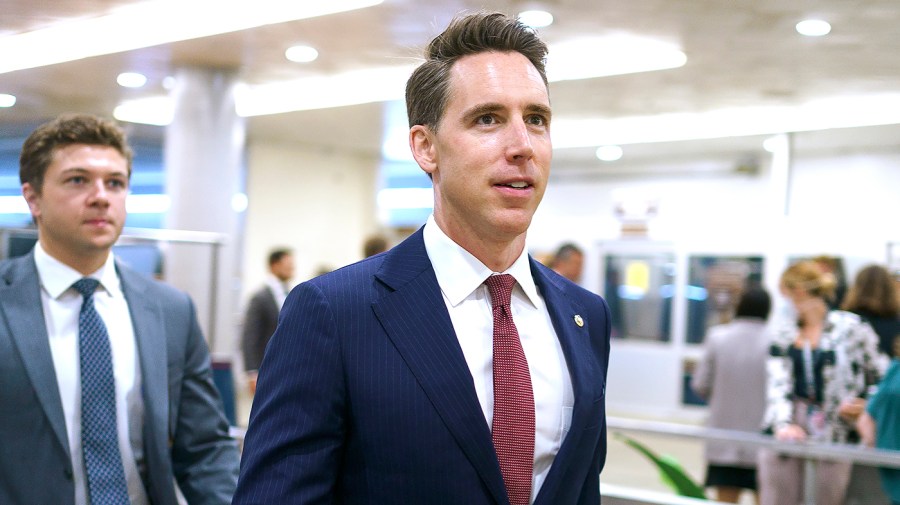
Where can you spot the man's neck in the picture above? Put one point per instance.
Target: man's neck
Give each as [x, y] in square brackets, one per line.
[495, 253]
[84, 264]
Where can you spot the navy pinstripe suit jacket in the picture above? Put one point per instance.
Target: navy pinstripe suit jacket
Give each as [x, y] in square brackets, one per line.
[364, 395]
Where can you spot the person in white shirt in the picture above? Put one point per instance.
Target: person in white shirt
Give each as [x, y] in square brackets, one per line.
[453, 368]
[106, 393]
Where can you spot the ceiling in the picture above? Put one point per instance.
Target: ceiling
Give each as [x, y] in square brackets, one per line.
[739, 54]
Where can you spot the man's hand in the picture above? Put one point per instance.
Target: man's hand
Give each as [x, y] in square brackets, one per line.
[251, 381]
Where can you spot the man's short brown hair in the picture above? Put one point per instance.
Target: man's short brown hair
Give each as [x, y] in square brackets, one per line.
[40, 147]
[428, 89]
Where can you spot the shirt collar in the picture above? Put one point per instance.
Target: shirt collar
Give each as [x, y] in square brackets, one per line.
[56, 277]
[459, 273]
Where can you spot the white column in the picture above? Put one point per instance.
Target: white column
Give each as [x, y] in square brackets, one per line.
[204, 166]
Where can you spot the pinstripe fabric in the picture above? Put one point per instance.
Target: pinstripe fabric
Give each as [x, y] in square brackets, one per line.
[364, 396]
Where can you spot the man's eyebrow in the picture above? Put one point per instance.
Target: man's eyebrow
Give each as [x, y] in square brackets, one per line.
[482, 109]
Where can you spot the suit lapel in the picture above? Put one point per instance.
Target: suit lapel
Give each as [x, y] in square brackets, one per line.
[146, 319]
[575, 343]
[417, 322]
[20, 299]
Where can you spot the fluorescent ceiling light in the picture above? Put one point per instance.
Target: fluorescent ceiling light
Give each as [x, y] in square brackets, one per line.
[301, 54]
[609, 153]
[153, 23]
[381, 84]
[813, 27]
[823, 114]
[7, 100]
[131, 79]
[13, 205]
[155, 110]
[535, 18]
[348, 88]
[147, 204]
[588, 57]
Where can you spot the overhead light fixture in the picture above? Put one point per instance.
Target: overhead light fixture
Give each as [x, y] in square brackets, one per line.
[381, 84]
[813, 27]
[126, 28]
[589, 57]
[609, 153]
[7, 100]
[301, 54]
[535, 18]
[155, 110]
[131, 79]
[822, 114]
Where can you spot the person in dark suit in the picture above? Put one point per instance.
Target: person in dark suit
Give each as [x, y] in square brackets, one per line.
[413, 377]
[261, 316]
[105, 384]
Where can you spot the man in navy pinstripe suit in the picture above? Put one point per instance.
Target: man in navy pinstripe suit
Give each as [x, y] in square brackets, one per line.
[377, 385]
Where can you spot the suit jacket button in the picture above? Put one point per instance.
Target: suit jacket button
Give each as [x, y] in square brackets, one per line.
[68, 473]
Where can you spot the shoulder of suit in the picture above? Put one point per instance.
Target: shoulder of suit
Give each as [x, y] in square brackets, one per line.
[154, 287]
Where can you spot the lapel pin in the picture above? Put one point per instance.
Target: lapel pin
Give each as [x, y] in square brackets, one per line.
[579, 321]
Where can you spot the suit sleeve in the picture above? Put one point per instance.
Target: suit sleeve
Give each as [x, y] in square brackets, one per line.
[204, 456]
[292, 452]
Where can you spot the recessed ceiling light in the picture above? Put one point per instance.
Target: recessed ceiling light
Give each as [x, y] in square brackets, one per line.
[168, 82]
[7, 100]
[301, 54]
[813, 27]
[131, 79]
[609, 153]
[536, 18]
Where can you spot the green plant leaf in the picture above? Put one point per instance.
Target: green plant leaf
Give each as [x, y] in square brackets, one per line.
[671, 472]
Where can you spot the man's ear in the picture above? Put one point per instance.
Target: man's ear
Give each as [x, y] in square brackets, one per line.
[33, 198]
[421, 143]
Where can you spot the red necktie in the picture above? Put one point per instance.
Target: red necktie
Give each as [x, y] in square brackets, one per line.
[513, 425]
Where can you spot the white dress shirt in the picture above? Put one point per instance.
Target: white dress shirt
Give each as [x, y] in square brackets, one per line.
[461, 277]
[62, 305]
[279, 289]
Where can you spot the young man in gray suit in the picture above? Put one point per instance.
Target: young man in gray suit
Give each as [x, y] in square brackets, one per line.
[106, 394]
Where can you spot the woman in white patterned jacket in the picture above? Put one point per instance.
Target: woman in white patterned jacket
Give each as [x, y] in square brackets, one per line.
[819, 369]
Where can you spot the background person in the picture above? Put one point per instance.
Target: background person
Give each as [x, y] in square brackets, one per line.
[879, 426]
[261, 316]
[453, 369]
[568, 262]
[731, 376]
[107, 394]
[819, 368]
[873, 296]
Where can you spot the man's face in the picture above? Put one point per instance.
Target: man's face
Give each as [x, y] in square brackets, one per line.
[80, 210]
[490, 157]
[572, 266]
[283, 269]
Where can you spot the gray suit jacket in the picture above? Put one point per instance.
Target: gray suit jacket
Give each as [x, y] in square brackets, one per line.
[260, 322]
[185, 432]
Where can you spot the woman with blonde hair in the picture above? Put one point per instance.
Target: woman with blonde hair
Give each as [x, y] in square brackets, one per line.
[818, 371]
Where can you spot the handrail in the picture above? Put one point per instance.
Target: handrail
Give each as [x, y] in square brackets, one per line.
[807, 450]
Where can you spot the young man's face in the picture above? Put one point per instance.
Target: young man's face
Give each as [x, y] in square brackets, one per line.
[80, 210]
[490, 156]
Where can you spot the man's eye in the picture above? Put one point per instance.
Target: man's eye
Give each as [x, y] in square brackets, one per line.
[77, 179]
[116, 183]
[536, 120]
[486, 119]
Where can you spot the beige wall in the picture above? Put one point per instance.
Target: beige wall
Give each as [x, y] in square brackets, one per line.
[320, 203]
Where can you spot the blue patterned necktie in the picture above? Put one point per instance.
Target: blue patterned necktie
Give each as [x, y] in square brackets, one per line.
[99, 435]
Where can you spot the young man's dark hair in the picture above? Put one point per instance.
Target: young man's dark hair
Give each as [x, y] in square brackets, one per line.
[67, 129]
